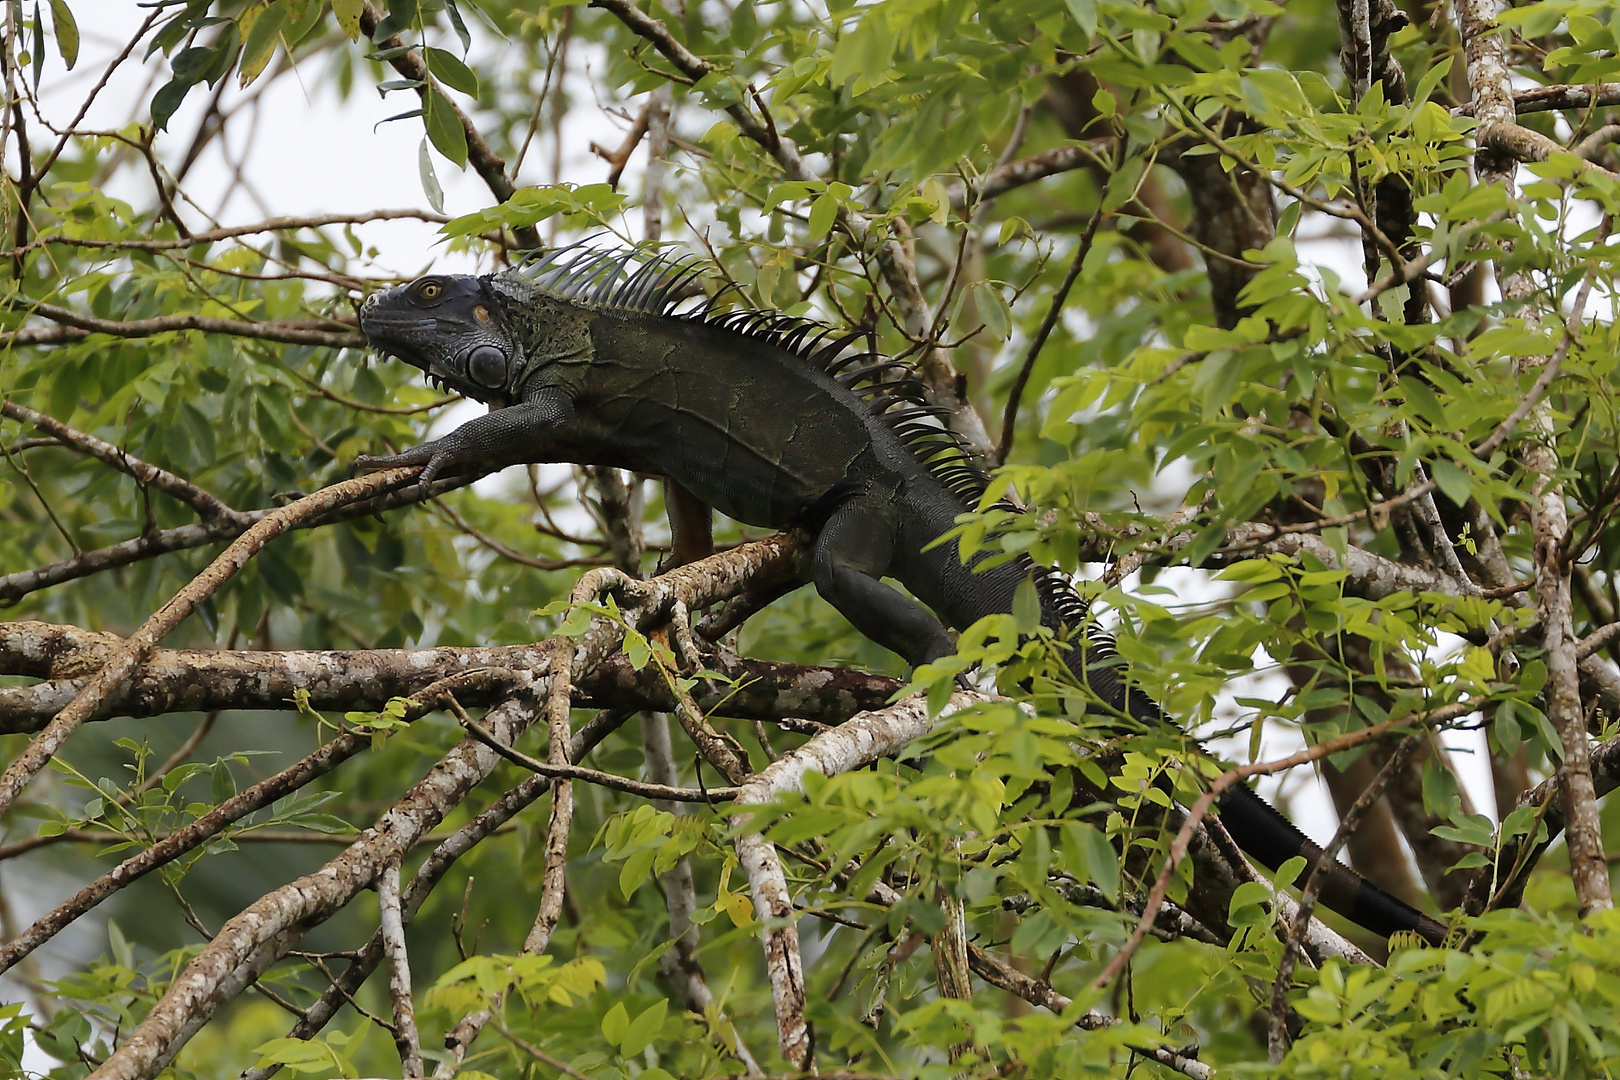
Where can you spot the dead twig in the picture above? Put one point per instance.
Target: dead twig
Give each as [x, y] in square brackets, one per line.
[406, 1038]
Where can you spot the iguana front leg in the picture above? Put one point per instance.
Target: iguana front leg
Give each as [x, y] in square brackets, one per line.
[503, 437]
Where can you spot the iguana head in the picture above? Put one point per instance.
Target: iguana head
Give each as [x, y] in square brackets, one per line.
[452, 326]
[483, 337]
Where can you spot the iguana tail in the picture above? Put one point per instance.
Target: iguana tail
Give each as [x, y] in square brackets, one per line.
[1257, 827]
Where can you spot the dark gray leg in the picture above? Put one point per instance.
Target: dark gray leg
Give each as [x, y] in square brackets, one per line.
[852, 553]
[502, 437]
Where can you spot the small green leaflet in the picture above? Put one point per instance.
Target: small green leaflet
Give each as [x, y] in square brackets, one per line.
[67, 32]
[444, 127]
[451, 71]
[430, 179]
[347, 13]
[259, 40]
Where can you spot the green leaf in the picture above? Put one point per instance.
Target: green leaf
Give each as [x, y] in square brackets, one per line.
[460, 25]
[644, 1029]
[261, 31]
[122, 953]
[430, 178]
[615, 1023]
[1247, 904]
[444, 127]
[348, 14]
[36, 49]
[67, 32]
[1454, 481]
[1440, 796]
[637, 648]
[634, 873]
[822, 214]
[451, 71]
[1026, 607]
[866, 51]
[168, 98]
[744, 26]
[1084, 13]
[1251, 571]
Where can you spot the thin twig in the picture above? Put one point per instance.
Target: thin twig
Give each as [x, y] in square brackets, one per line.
[231, 232]
[406, 1038]
[177, 843]
[1009, 418]
[291, 331]
[206, 503]
[596, 776]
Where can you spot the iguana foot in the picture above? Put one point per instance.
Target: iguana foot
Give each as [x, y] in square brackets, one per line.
[378, 462]
[434, 457]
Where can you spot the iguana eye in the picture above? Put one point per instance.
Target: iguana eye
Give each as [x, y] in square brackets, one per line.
[486, 365]
[429, 290]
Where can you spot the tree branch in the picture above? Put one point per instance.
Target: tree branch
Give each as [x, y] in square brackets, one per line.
[207, 505]
[290, 331]
[248, 944]
[595, 776]
[1027, 170]
[166, 618]
[231, 232]
[406, 1038]
[863, 739]
[223, 815]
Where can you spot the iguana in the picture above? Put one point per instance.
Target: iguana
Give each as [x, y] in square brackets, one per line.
[774, 421]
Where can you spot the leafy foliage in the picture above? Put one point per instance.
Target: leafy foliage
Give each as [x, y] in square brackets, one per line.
[1259, 414]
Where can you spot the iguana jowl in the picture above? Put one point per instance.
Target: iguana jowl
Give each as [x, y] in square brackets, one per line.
[765, 419]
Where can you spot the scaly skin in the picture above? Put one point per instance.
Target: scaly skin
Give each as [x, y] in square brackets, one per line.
[767, 437]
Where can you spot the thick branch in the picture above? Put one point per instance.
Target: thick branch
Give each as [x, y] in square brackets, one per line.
[1551, 98]
[184, 680]
[1517, 141]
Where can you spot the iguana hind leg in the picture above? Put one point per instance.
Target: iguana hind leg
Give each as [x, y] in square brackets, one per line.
[853, 551]
[691, 526]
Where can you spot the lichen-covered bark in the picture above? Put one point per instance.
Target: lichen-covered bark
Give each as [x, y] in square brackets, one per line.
[1491, 84]
[863, 739]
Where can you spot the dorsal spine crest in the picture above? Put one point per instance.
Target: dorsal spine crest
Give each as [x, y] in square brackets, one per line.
[635, 282]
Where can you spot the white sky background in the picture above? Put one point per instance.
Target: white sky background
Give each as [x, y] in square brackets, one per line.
[310, 153]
